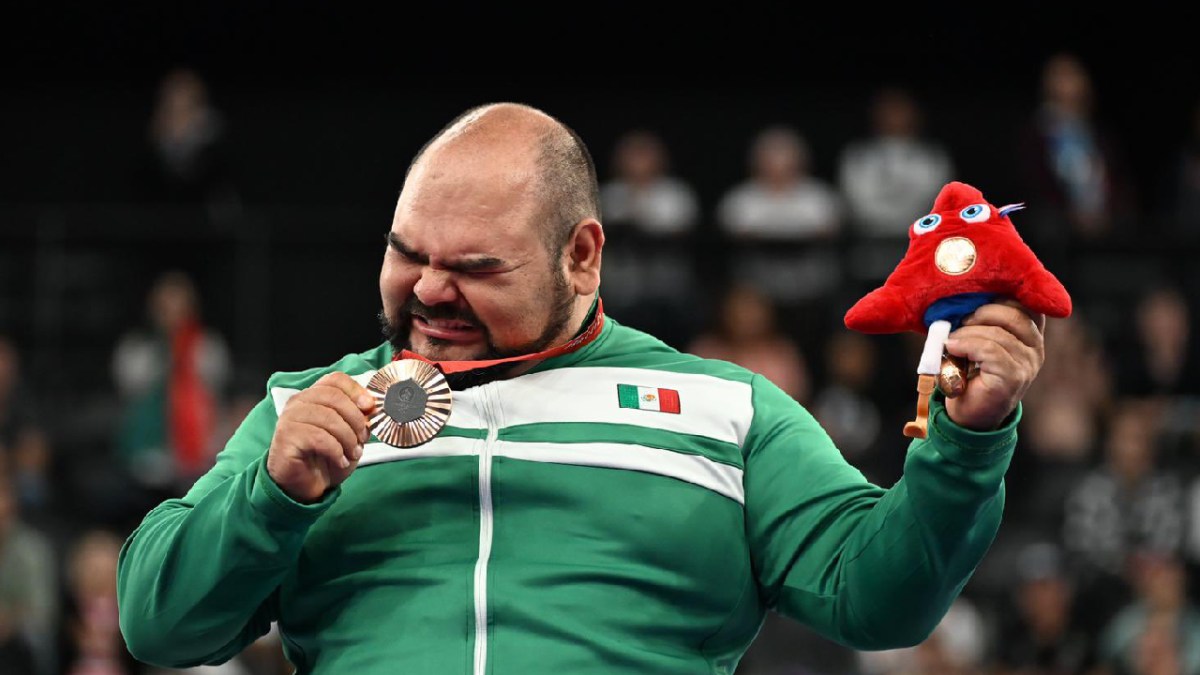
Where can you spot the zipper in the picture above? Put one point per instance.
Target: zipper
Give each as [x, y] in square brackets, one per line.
[485, 532]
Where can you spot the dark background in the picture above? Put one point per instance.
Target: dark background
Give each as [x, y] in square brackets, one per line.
[337, 96]
[327, 102]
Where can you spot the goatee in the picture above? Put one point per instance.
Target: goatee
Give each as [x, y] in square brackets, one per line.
[399, 334]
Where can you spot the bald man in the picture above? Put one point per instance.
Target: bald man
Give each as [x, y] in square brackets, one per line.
[596, 503]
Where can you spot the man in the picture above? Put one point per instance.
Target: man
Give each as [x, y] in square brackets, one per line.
[596, 504]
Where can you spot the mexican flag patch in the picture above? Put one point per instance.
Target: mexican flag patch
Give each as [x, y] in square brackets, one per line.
[648, 398]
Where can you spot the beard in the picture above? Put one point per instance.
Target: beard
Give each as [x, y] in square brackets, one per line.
[560, 302]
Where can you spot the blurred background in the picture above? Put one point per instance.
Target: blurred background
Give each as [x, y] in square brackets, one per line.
[193, 196]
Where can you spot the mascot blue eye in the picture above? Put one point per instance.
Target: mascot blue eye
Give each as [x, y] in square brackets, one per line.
[927, 223]
[975, 213]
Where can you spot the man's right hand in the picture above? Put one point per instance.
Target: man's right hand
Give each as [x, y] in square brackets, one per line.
[319, 437]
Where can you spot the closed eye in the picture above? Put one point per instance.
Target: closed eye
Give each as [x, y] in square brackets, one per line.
[479, 266]
[398, 246]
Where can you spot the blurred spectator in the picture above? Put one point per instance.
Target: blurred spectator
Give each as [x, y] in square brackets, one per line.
[650, 219]
[1057, 449]
[24, 445]
[888, 180]
[28, 591]
[1159, 358]
[1039, 634]
[643, 194]
[847, 406]
[1077, 182]
[171, 375]
[1183, 191]
[1160, 631]
[1128, 503]
[782, 221]
[1158, 650]
[891, 178]
[781, 199]
[1077, 365]
[747, 335]
[958, 646]
[1060, 439]
[34, 481]
[1061, 429]
[90, 638]
[17, 410]
[188, 162]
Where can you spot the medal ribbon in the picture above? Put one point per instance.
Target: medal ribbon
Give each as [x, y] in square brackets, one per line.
[448, 367]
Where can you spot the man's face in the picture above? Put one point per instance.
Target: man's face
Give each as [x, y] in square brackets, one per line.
[466, 274]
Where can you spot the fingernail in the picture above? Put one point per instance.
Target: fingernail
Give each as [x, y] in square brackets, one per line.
[364, 400]
[345, 462]
[358, 451]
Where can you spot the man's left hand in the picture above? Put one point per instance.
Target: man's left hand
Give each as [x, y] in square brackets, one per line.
[1006, 340]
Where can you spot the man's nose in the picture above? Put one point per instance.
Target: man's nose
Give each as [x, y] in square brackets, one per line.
[435, 287]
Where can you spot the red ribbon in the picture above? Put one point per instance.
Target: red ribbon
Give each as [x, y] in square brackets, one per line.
[448, 367]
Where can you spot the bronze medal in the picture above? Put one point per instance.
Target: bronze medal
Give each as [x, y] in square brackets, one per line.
[952, 380]
[955, 255]
[955, 372]
[412, 402]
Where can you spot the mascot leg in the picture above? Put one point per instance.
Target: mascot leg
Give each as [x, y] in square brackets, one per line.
[927, 373]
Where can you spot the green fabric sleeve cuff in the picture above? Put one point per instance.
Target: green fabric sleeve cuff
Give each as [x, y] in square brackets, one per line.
[967, 446]
[271, 501]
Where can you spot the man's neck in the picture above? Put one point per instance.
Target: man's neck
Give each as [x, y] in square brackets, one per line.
[581, 325]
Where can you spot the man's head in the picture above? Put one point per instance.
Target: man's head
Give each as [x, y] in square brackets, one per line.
[495, 246]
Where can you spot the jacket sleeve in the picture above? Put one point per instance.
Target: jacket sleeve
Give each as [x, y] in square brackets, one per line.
[195, 579]
[868, 567]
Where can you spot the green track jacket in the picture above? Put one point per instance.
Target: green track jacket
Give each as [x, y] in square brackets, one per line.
[625, 508]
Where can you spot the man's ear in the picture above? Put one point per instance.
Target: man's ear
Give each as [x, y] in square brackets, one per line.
[583, 254]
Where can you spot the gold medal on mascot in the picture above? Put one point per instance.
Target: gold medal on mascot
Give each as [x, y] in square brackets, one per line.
[412, 402]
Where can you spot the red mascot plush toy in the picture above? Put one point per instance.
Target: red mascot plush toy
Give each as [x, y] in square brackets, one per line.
[962, 255]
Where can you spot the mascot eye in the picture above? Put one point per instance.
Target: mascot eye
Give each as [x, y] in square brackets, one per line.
[927, 223]
[975, 213]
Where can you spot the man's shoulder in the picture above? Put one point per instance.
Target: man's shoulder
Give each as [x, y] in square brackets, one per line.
[733, 392]
[629, 347]
[354, 363]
